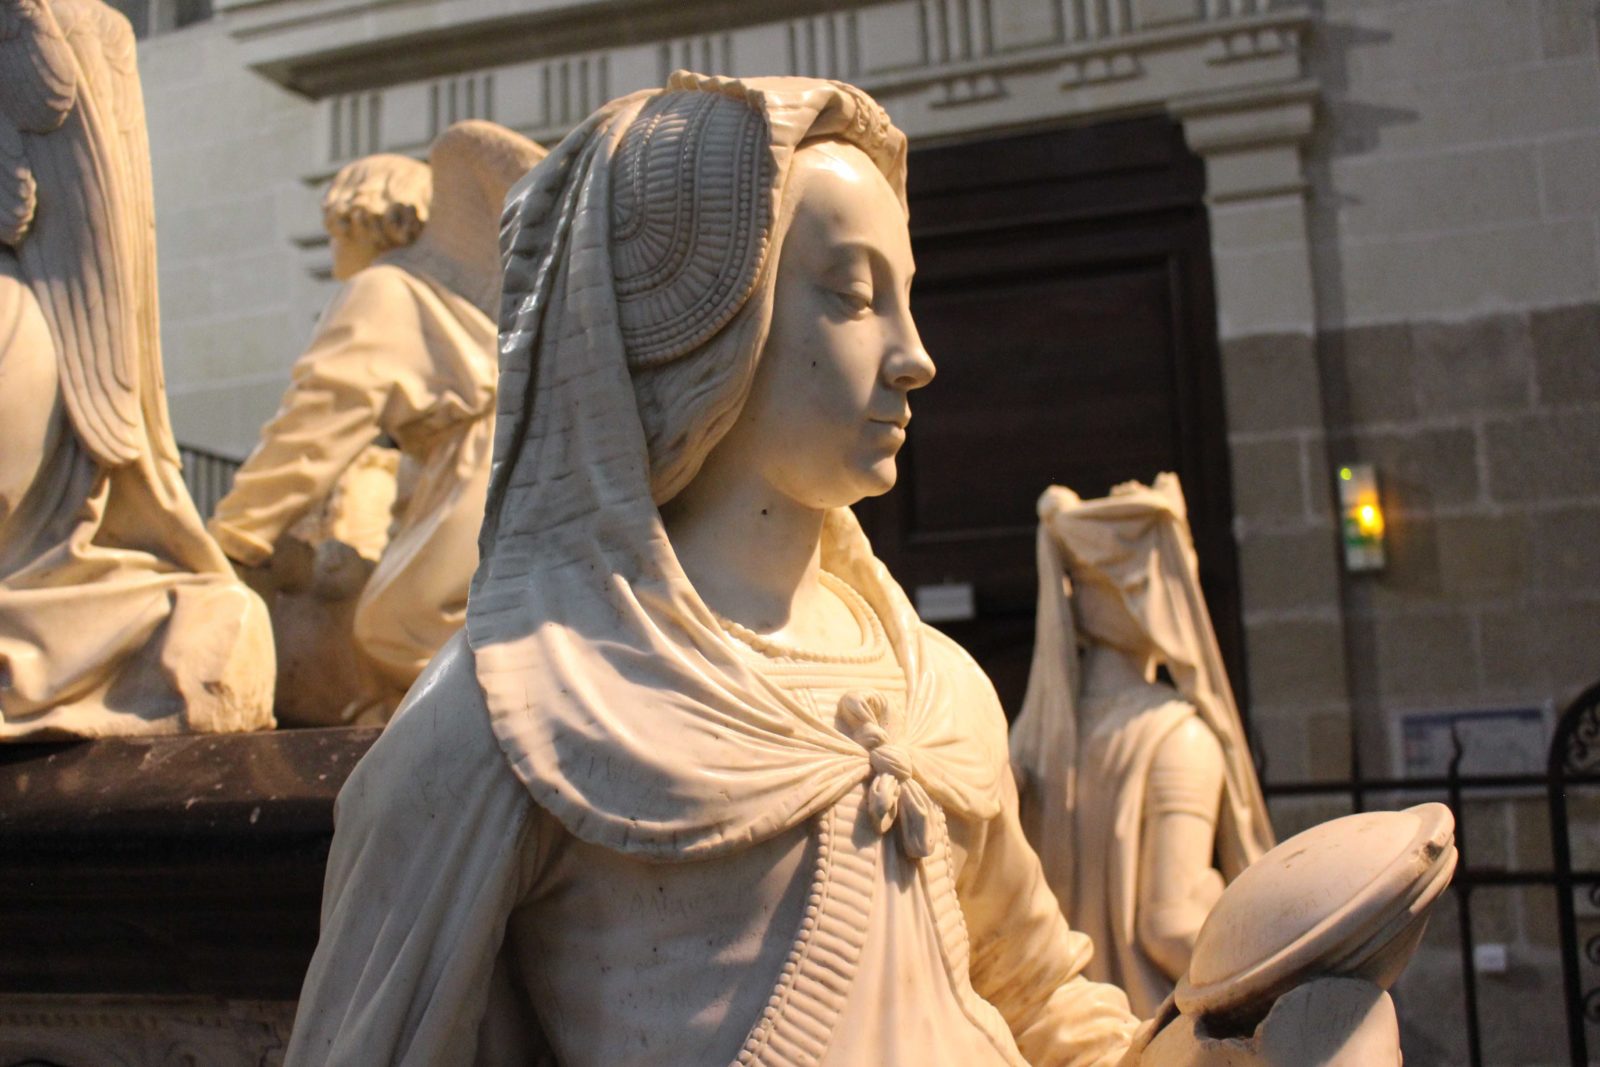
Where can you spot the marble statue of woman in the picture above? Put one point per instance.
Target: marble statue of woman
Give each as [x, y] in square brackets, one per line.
[1153, 782]
[118, 614]
[696, 786]
[407, 350]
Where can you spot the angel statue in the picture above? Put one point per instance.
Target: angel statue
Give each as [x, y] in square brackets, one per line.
[1153, 780]
[118, 614]
[405, 352]
[321, 563]
[695, 785]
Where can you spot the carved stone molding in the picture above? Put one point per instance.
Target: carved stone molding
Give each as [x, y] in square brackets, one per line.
[547, 65]
[143, 1031]
[1250, 138]
[943, 68]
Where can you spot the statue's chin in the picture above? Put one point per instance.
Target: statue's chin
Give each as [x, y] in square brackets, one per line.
[875, 480]
[841, 483]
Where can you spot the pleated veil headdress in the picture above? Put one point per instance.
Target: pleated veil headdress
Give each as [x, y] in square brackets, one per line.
[640, 266]
[1138, 540]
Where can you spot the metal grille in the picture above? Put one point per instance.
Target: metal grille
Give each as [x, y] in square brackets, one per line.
[1573, 770]
[208, 475]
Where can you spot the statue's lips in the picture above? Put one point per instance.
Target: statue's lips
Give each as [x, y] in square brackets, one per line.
[886, 431]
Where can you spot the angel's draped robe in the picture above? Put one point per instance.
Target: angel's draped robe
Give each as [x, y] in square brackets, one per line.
[118, 615]
[401, 355]
[1121, 790]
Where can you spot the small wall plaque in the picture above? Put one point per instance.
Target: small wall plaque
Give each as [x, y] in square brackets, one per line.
[1493, 741]
[946, 602]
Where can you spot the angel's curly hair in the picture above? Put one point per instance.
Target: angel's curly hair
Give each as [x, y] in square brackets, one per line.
[379, 201]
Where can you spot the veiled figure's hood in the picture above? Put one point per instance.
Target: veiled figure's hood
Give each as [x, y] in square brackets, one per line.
[1137, 540]
[640, 259]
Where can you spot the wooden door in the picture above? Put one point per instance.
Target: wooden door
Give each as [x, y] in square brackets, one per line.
[1064, 290]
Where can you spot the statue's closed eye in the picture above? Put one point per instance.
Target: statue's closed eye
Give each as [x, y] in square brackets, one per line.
[855, 299]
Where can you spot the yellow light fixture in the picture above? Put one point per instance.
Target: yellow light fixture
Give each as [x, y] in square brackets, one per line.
[1363, 523]
[1369, 520]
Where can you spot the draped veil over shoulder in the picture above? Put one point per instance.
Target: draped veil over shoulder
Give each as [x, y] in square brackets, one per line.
[619, 312]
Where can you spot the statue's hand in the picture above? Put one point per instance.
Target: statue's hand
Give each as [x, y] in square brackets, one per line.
[1337, 1022]
[1325, 1022]
[1302, 945]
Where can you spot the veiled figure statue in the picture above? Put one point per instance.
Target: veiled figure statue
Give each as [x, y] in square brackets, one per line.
[696, 786]
[1139, 796]
[406, 351]
[118, 614]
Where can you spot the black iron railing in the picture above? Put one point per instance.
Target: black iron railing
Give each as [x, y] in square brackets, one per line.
[209, 476]
[1574, 764]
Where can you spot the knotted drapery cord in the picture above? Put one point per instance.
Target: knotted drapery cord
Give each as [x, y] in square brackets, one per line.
[894, 796]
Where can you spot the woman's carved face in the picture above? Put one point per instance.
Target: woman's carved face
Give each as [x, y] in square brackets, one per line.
[828, 409]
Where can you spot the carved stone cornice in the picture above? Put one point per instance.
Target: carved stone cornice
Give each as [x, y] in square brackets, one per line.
[542, 65]
[943, 68]
[326, 47]
[1242, 118]
[137, 1031]
[1250, 137]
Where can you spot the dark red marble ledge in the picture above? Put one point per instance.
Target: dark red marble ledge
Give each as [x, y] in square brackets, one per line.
[171, 865]
[245, 785]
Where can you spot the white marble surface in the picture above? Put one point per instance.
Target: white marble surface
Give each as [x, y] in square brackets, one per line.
[118, 613]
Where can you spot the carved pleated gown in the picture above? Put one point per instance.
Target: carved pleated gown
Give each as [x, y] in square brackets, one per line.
[118, 613]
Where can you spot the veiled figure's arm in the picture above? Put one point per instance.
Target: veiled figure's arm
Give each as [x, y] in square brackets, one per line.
[1177, 883]
[1025, 960]
[434, 846]
[369, 347]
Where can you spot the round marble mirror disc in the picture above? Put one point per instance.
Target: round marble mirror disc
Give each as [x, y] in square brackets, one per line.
[1345, 898]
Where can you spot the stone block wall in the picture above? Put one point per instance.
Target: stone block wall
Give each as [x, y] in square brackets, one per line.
[1492, 593]
[237, 303]
[1426, 300]
[1454, 219]
[1288, 542]
[1491, 598]
[1455, 226]
[1454, 171]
